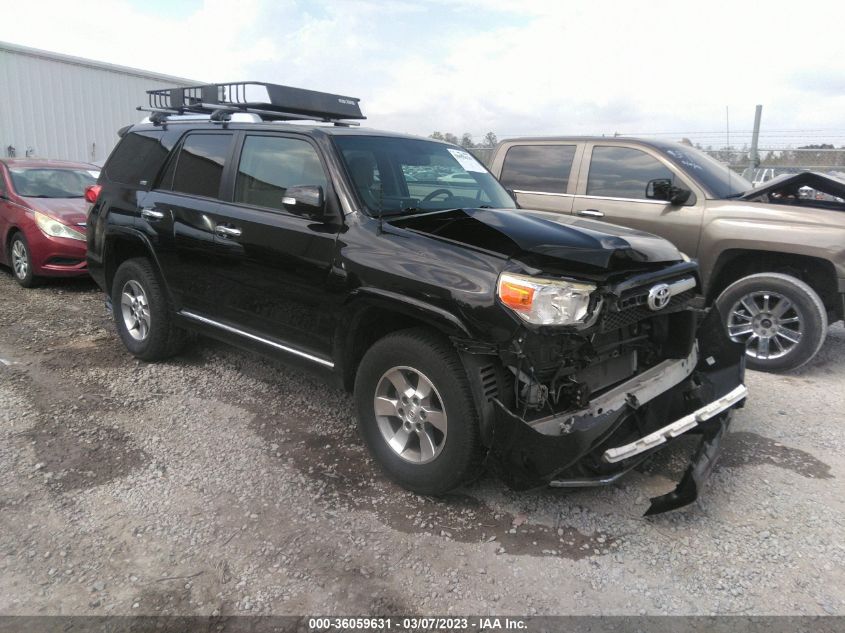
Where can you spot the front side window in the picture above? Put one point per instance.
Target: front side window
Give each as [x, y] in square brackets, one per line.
[398, 175]
[52, 182]
[716, 178]
[199, 166]
[270, 165]
[624, 172]
[543, 168]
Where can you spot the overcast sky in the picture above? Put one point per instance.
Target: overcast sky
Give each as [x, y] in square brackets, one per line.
[566, 67]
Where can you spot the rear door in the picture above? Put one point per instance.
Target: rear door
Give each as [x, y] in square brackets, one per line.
[542, 174]
[612, 187]
[180, 215]
[271, 267]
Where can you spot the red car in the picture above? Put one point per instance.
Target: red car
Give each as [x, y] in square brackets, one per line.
[42, 217]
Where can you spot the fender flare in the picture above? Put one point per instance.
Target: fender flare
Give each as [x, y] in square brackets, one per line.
[368, 298]
[129, 234]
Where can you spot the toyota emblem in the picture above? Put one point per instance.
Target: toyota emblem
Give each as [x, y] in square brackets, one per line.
[659, 296]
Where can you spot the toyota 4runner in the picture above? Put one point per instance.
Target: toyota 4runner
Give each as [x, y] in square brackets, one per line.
[555, 350]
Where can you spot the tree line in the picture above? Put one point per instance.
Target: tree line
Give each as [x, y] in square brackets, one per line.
[489, 139]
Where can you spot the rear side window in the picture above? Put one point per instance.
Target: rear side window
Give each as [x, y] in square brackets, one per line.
[199, 166]
[538, 167]
[137, 159]
[270, 165]
[623, 172]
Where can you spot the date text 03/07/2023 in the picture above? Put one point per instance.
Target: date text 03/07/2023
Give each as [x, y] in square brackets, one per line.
[415, 624]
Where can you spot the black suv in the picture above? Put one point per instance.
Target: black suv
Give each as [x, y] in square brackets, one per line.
[553, 349]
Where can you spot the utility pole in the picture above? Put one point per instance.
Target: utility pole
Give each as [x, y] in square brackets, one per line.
[755, 137]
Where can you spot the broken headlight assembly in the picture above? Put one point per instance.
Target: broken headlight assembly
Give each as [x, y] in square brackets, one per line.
[546, 301]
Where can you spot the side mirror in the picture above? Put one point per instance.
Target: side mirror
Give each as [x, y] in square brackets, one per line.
[306, 200]
[662, 189]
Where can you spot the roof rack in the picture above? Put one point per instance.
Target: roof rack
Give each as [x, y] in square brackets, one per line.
[270, 102]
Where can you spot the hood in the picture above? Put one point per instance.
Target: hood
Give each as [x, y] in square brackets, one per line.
[514, 233]
[71, 211]
[790, 184]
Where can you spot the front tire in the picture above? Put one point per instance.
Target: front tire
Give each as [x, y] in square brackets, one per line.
[781, 320]
[416, 412]
[142, 313]
[20, 259]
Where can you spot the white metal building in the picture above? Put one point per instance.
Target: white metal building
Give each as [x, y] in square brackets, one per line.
[57, 106]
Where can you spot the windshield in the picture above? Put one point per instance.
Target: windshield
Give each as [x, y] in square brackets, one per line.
[397, 175]
[716, 178]
[54, 182]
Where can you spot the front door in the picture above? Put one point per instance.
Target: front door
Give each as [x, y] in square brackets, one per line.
[613, 187]
[272, 266]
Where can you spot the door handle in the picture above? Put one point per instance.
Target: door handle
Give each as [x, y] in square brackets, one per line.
[151, 214]
[227, 231]
[591, 213]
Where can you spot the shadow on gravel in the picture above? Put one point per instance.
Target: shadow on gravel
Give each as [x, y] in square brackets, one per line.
[830, 360]
[68, 284]
[72, 456]
[749, 449]
[345, 475]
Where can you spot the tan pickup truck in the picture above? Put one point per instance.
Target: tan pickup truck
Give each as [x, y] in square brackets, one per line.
[772, 260]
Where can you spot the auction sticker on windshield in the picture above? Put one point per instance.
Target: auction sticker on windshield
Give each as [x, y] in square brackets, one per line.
[466, 160]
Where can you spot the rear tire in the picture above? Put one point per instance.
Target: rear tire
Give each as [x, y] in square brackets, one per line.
[425, 433]
[142, 313]
[781, 319]
[20, 259]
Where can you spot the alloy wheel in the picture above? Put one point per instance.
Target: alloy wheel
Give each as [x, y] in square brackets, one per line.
[135, 308]
[20, 259]
[410, 415]
[768, 323]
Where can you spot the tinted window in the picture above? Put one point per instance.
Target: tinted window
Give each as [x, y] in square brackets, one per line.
[136, 159]
[622, 172]
[271, 164]
[199, 166]
[538, 167]
[715, 177]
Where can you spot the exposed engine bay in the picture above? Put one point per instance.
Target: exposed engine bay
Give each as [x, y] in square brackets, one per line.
[579, 408]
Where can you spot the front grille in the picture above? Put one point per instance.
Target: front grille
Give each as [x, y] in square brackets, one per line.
[629, 315]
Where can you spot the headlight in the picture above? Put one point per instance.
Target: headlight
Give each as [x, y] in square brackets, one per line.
[54, 228]
[546, 301]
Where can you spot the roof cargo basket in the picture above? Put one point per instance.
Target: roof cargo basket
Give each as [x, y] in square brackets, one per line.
[271, 102]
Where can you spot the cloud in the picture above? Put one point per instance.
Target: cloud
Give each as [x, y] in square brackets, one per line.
[599, 66]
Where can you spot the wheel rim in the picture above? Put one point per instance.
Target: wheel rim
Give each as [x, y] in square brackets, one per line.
[20, 259]
[135, 309]
[410, 415]
[768, 323]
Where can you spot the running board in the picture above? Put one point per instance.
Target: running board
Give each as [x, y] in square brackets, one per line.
[254, 337]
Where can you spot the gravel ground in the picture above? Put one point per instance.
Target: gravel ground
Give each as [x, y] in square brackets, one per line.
[220, 482]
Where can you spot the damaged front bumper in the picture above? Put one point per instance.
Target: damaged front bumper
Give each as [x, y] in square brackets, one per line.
[627, 423]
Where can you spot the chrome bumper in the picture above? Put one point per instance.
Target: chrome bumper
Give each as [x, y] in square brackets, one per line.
[676, 428]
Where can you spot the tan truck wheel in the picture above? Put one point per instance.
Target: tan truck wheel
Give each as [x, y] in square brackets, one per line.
[781, 320]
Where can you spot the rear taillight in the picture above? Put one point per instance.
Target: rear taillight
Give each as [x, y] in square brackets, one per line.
[92, 193]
